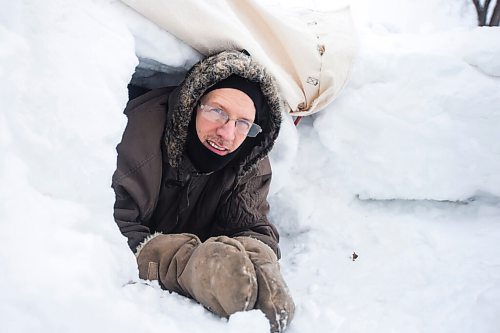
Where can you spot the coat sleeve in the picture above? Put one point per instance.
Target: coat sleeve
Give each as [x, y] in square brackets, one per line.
[128, 218]
[137, 178]
[245, 209]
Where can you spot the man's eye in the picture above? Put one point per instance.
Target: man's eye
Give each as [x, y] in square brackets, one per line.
[243, 124]
[217, 111]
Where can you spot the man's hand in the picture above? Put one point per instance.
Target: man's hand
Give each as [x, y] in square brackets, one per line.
[273, 296]
[164, 257]
[224, 274]
[220, 276]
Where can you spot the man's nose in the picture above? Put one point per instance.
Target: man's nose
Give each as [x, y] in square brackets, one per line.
[227, 131]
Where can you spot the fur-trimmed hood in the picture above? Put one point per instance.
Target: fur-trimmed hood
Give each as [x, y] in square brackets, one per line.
[205, 74]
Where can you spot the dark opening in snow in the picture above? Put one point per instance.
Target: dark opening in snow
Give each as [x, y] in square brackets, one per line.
[151, 74]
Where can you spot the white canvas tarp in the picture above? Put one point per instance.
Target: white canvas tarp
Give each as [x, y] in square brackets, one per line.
[310, 53]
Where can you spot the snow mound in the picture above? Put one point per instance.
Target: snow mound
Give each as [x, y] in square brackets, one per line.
[481, 51]
[417, 120]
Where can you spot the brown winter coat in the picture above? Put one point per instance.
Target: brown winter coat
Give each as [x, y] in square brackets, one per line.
[157, 188]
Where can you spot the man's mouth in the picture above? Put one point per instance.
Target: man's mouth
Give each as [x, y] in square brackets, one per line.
[220, 150]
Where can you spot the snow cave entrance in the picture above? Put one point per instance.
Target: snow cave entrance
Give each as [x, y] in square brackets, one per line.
[151, 74]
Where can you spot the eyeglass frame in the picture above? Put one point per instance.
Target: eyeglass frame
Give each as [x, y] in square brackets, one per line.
[251, 130]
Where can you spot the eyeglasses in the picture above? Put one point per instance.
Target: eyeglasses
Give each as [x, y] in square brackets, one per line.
[216, 115]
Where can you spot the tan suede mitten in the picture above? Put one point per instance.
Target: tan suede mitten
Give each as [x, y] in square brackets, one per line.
[220, 276]
[164, 257]
[273, 296]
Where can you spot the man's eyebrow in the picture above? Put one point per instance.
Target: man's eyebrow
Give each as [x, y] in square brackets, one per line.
[214, 102]
[244, 118]
[205, 100]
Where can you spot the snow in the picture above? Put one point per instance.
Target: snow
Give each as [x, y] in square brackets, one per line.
[402, 169]
[394, 135]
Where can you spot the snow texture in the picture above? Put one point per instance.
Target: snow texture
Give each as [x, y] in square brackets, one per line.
[403, 169]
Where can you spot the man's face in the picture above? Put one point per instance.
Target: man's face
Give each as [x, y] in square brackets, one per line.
[223, 139]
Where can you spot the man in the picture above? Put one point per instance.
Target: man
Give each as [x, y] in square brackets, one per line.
[191, 188]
